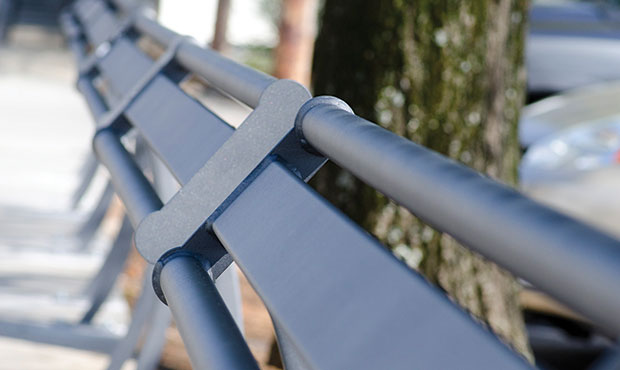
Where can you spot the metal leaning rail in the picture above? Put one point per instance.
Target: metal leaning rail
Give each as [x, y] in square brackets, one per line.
[336, 297]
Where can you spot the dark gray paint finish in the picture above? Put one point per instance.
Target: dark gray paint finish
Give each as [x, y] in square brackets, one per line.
[342, 299]
[196, 303]
[182, 132]
[102, 27]
[533, 241]
[130, 184]
[84, 337]
[123, 66]
[250, 144]
[89, 11]
[102, 283]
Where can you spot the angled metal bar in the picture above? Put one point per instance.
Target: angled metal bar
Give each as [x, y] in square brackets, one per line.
[154, 338]
[88, 171]
[84, 337]
[533, 241]
[114, 116]
[101, 284]
[158, 102]
[88, 229]
[99, 23]
[342, 300]
[123, 66]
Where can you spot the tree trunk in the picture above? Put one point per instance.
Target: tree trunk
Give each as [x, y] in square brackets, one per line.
[449, 75]
[219, 42]
[297, 31]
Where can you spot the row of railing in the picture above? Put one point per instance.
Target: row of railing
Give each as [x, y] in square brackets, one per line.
[336, 297]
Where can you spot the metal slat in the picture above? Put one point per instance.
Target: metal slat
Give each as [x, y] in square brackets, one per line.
[260, 134]
[342, 300]
[123, 66]
[182, 132]
[86, 11]
[101, 27]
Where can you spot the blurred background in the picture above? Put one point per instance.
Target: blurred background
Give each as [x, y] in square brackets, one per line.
[524, 91]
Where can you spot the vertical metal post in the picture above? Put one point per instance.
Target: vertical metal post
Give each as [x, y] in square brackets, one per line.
[209, 332]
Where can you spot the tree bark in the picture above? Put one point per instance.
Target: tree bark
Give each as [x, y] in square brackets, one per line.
[449, 75]
[297, 31]
[219, 42]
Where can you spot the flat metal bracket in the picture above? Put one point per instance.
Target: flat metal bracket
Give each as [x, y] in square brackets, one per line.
[112, 117]
[267, 133]
[101, 50]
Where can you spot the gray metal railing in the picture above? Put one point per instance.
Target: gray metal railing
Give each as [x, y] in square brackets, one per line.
[336, 297]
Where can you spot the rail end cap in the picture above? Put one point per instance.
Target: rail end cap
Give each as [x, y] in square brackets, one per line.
[311, 104]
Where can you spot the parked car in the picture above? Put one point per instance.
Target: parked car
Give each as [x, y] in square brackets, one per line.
[572, 44]
[572, 161]
[549, 116]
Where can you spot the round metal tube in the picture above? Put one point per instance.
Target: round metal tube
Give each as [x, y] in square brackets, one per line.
[573, 262]
[151, 28]
[130, 184]
[71, 30]
[209, 332]
[242, 83]
[93, 99]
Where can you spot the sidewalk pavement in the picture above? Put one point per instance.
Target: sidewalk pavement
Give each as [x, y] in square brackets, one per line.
[45, 131]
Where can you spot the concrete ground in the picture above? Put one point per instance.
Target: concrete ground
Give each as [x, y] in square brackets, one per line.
[44, 141]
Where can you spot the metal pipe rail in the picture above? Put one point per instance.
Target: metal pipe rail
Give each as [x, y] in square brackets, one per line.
[240, 82]
[132, 187]
[140, 200]
[243, 83]
[323, 279]
[541, 245]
